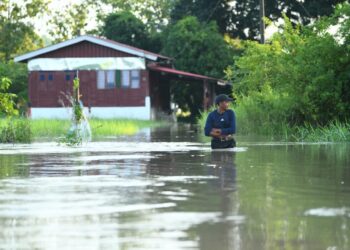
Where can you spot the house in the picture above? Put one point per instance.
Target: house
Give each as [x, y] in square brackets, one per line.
[135, 83]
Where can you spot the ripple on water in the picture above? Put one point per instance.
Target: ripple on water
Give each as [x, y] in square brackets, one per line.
[328, 212]
[134, 147]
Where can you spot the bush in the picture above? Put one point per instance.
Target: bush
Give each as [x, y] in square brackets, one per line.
[15, 130]
[301, 76]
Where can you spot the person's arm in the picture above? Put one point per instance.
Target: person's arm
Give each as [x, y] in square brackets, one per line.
[232, 128]
[208, 125]
[209, 130]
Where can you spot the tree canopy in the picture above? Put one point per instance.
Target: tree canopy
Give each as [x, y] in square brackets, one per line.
[205, 11]
[124, 27]
[245, 14]
[14, 27]
[197, 48]
[68, 22]
[7, 106]
[155, 14]
[301, 76]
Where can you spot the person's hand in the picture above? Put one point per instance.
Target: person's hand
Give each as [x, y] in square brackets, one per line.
[215, 132]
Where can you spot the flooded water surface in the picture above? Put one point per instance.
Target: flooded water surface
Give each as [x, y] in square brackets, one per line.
[166, 189]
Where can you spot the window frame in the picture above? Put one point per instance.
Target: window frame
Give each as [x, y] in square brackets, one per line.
[131, 78]
[120, 77]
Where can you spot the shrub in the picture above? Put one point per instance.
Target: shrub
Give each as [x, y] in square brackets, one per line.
[15, 130]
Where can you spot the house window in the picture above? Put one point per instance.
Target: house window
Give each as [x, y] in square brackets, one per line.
[108, 79]
[50, 77]
[131, 79]
[125, 78]
[135, 79]
[67, 77]
[42, 77]
[105, 79]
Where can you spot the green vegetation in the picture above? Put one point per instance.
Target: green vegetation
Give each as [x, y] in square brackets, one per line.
[335, 131]
[7, 106]
[187, 40]
[296, 87]
[298, 81]
[79, 130]
[24, 130]
[124, 27]
[99, 127]
[18, 74]
[15, 130]
[51, 129]
[17, 33]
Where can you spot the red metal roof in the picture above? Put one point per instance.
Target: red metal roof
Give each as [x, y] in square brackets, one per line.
[131, 47]
[180, 72]
[95, 40]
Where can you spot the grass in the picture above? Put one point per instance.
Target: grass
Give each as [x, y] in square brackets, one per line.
[49, 128]
[15, 130]
[333, 132]
[53, 129]
[119, 127]
[99, 127]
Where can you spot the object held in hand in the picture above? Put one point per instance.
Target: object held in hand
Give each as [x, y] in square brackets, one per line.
[226, 138]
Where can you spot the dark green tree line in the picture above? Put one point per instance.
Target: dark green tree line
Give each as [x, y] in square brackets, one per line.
[301, 76]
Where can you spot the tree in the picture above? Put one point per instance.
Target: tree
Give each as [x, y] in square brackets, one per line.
[18, 74]
[245, 19]
[154, 14]
[14, 27]
[196, 48]
[69, 22]
[6, 99]
[205, 10]
[300, 77]
[124, 27]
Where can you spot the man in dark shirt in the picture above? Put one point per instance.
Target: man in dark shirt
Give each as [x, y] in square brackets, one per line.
[221, 124]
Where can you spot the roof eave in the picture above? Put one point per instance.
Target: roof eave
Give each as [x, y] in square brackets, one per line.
[94, 40]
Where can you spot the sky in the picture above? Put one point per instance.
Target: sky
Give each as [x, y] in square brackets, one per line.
[41, 23]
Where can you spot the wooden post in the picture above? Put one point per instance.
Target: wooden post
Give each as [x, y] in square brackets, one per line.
[206, 95]
[262, 23]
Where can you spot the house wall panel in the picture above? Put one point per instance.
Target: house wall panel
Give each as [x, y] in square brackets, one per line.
[49, 93]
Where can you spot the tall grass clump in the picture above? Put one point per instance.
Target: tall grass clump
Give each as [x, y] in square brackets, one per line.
[334, 132]
[15, 130]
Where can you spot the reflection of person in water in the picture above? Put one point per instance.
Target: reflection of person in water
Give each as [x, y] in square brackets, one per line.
[223, 166]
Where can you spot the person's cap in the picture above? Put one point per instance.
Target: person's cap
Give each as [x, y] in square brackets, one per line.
[222, 98]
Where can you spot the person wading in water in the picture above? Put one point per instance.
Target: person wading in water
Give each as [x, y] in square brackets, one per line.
[221, 124]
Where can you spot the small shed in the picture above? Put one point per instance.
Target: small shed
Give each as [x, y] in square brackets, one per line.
[138, 89]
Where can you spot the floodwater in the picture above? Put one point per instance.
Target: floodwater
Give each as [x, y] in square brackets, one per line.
[165, 189]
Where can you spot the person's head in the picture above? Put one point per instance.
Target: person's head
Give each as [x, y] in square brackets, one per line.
[222, 101]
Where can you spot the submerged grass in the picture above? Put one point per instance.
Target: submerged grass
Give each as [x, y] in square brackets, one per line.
[99, 127]
[25, 130]
[335, 131]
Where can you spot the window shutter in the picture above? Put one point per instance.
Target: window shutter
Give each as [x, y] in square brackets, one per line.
[118, 78]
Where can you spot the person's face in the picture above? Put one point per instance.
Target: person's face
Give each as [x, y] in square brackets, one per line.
[224, 105]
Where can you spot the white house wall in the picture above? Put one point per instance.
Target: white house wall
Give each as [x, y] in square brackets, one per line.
[140, 113]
